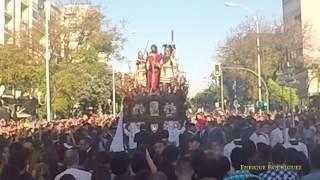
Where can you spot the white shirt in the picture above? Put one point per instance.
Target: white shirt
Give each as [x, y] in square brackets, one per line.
[174, 134]
[301, 147]
[276, 136]
[263, 138]
[131, 132]
[78, 174]
[227, 150]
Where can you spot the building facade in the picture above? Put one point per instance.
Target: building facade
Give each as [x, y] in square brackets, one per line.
[306, 14]
[17, 19]
[73, 17]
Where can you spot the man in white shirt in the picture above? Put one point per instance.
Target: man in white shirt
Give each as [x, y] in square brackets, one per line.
[276, 135]
[294, 143]
[174, 133]
[132, 130]
[236, 142]
[71, 158]
[262, 134]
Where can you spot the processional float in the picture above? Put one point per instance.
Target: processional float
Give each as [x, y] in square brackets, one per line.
[156, 93]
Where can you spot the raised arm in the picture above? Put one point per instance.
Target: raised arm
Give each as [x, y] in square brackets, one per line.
[151, 164]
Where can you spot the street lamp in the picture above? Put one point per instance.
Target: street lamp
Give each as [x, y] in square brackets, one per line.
[230, 4]
[289, 80]
[113, 80]
[47, 58]
[113, 90]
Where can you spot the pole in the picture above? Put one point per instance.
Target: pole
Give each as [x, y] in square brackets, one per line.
[256, 74]
[221, 90]
[283, 118]
[292, 108]
[14, 22]
[258, 59]
[113, 92]
[229, 4]
[47, 58]
[268, 106]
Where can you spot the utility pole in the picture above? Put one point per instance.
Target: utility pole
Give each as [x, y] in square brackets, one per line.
[221, 89]
[47, 58]
[230, 4]
[113, 92]
[259, 60]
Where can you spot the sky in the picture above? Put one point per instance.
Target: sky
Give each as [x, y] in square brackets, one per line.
[199, 26]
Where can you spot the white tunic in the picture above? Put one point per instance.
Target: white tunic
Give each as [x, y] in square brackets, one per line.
[263, 138]
[276, 137]
[285, 133]
[174, 134]
[301, 147]
[78, 174]
[227, 150]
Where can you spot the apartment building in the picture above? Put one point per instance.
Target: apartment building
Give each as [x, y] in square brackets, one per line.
[71, 16]
[17, 18]
[74, 14]
[306, 14]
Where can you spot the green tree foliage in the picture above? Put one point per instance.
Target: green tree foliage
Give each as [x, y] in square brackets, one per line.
[276, 47]
[79, 72]
[282, 94]
[80, 50]
[18, 69]
[206, 98]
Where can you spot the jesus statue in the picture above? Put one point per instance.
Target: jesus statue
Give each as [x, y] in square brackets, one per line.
[153, 76]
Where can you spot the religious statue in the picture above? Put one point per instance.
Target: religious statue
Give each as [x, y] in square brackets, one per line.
[141, 70]
[153, 75]
[167, 71]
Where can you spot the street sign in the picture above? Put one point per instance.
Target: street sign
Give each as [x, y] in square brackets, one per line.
[261, 104]
[265, 104]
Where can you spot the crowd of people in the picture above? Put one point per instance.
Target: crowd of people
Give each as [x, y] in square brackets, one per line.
[208, 146]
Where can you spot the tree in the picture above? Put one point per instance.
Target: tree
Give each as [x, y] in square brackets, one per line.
[206, 98]
[283, 94]
[81, 47]
[277, 47]
[18, 69]
[84, 36]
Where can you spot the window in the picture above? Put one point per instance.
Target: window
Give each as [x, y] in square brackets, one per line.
[298, 18]
[41, 4]
[35, 14]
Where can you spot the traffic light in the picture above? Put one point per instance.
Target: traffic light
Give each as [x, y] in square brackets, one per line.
[217, 70]
[288, 72]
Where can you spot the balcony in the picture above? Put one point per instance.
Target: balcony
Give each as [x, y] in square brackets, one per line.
[35, 5]
[24, 21]
[24, 2]
[7, 29]
[8, 14]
